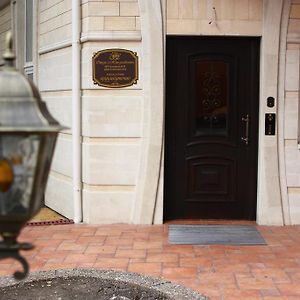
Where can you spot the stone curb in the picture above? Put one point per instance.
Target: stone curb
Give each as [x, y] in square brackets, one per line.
[169, 289]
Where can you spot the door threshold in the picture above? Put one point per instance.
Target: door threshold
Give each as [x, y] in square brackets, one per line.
[210, 221]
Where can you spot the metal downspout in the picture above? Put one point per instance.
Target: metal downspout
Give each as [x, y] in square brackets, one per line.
[76, 112]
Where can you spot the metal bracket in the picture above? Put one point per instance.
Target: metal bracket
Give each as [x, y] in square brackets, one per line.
[12, 251]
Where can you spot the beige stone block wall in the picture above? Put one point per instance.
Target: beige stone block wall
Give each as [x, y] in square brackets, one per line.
[112, 115]
[110, 16]
[62, 162]
[111, 118]
[106, 206]
[54, 21]
[59, 104]
[55, 84]
[294, 196]
[110, 162]
[5, 26]
[59, 189]
[209, 17]
[55, 71]
[111, 129]
[291, 114]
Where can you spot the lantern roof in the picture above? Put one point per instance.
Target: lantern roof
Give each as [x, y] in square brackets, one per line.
[21, 106]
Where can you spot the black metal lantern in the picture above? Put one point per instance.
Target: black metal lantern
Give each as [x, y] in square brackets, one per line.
[27, 139]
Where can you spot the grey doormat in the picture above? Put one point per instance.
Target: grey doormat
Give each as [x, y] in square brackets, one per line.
[215, 234]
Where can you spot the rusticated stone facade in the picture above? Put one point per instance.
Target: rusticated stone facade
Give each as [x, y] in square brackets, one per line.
[122, 129]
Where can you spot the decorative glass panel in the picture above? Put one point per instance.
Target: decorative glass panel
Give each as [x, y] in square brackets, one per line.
[211, 84]
[18, 159]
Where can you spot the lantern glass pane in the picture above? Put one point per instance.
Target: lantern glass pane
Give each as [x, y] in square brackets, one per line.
[18, 161]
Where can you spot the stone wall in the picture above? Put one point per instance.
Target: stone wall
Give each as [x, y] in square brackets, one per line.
[209, 17]
[110, 15]
[55, 84]
[5, 26]
[116, 123]
[291, 115]
[111, 118]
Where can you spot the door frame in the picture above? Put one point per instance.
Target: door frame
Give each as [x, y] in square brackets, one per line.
[173, 107]
[272, 201]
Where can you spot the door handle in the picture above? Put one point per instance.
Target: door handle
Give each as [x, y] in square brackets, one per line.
[247, 122]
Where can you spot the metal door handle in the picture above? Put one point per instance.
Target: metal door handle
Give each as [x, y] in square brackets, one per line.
[247, 121]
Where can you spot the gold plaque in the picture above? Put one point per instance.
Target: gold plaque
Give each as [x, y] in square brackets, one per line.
[115, 68]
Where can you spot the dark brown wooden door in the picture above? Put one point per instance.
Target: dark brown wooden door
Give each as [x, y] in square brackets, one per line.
[211, 127]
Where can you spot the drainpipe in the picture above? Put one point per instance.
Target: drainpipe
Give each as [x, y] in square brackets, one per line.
[76, 107]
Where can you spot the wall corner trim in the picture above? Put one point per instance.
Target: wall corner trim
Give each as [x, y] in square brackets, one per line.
[152, 142]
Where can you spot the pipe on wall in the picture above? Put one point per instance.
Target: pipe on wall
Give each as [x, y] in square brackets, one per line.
[76, 112]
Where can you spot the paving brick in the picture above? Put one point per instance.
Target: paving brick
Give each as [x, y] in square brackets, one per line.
[277, 274]
[220, 279]
[295, 276]
[80, 258]
[182, 249]
[176, 273]
[147, 245]
[90, 240]
[195, 261]
[289, 289]
[112, 263]
[281, 298]
[210, 290]
[55, 266]
[255, 283]
[118, 241]
[71, 246]
[162, 257]
[190, 283]
[218, 271]
[230, 294]
[153, 269]
[101, 249]
[137, 236]
[171, 264]
[269, 292]
[131, 253]
[224, 266]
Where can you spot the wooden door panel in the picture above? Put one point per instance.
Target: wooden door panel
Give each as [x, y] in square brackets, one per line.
[212, 85]
[210, 179]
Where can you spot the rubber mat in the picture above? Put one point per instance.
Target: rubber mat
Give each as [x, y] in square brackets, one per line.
[215, 234]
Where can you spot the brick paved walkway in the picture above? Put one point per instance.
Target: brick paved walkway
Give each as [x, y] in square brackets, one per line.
[221, 272]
